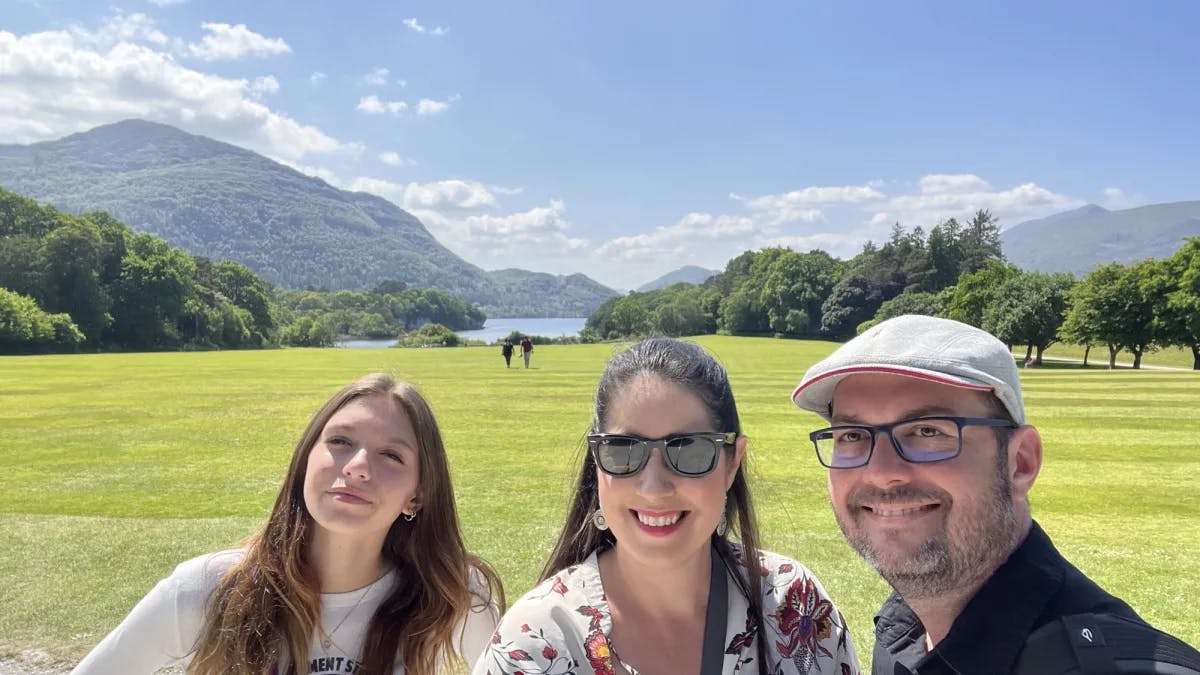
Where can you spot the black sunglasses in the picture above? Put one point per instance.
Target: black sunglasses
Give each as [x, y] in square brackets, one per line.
[689, 454]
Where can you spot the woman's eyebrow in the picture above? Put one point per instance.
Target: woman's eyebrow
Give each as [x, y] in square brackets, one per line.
[349, 430]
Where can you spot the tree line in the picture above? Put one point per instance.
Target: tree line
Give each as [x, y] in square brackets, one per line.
[89, 282]
[957, 270]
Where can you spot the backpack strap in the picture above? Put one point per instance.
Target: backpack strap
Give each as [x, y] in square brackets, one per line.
[1092, 652]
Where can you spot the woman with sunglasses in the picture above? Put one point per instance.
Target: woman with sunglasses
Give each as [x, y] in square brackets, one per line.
[644, 577]
[360, 567]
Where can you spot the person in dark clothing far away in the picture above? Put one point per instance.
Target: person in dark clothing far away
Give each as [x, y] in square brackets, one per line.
[507, 352]
[526, 349]
[930, 467]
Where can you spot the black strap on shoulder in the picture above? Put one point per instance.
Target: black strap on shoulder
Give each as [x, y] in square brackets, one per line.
[713, 655]
[1092, 653]
[1104, 644]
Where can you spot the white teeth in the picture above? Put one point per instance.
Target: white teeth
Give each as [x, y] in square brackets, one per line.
[659, 521]
[897, 512]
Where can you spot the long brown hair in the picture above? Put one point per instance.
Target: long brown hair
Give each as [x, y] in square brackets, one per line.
[688, 365]
[264, 609]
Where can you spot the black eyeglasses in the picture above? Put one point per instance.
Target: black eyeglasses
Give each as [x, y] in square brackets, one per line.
[689, 454]
[921, 440]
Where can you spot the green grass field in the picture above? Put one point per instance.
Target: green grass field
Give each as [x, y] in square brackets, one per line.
[115, 467]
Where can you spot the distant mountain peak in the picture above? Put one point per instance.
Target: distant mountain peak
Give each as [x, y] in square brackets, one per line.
[689, 274]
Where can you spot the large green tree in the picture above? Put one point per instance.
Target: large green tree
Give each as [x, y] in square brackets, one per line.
[1110, 307]
[976, 290]
[1174, 288]
[1029, 308]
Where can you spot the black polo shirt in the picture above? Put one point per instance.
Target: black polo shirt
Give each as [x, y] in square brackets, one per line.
[1035, 586]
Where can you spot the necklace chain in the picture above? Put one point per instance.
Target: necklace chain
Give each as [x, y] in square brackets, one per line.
[327, 638]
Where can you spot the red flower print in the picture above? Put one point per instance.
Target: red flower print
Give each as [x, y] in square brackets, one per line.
[804, 620]
[786, 567]
[519, 655]
[549, 652]
[595, 614]
[558, 586]
[525, 628]
[598, 654]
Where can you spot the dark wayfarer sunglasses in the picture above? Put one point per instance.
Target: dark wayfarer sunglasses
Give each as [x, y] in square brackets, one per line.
[692, 454]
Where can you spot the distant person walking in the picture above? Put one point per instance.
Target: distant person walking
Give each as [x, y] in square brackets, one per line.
[526, 349]
[507, 352]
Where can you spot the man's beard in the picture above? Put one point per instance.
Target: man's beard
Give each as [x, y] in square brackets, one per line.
[973, 544]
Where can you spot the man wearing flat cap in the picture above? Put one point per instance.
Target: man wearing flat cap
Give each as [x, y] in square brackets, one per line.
[930, 467]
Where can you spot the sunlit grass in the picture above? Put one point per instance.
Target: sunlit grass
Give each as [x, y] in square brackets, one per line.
[114, 468]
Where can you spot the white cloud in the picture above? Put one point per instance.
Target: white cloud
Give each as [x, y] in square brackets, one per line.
[316, 78]
[1117, 199]
[680, 241]
[373, 106]
[263, 85]
[455, 194]
[959, 196]
[953, 184]
[55, 83]
[415, 25]
[227, 43]
[428, 106]
[394, 159]
[451, 195]
[466, 217]
[805, 206]
[166, 3]
[135, 27]
[376, 78]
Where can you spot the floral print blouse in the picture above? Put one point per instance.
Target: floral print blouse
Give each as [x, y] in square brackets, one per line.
[561, 627]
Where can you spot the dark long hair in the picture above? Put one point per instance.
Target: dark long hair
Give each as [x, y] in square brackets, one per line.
[266, 607]
[689, 366]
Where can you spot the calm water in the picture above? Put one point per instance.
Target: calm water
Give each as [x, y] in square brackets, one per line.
[495, 329]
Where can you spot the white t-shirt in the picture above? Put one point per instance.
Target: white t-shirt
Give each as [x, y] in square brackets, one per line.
[163, 628]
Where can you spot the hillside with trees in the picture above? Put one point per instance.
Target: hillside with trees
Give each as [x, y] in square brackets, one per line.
[222, 202]
[88, 282]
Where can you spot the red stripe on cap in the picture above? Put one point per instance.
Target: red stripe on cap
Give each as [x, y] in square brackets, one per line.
[920, 375]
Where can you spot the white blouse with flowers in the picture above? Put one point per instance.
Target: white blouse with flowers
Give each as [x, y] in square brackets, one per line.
[562, 626]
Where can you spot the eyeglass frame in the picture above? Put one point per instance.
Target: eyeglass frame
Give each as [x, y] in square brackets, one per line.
[724, 439]
[875, 430]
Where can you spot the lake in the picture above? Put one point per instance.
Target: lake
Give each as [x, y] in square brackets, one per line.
[496, 329]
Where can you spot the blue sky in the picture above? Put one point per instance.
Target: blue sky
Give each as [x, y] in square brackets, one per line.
[625, 139]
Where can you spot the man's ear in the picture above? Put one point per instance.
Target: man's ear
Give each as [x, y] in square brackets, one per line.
[735, 463]
[1024, 460]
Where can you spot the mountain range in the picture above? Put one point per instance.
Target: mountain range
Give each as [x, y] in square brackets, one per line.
[1078, 240]
[226, 203]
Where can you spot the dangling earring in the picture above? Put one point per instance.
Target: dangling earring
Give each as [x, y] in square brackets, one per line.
[723, 526]
[599, 521]
[410, 516]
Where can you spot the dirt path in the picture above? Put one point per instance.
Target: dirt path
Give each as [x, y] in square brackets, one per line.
[1093, 362]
